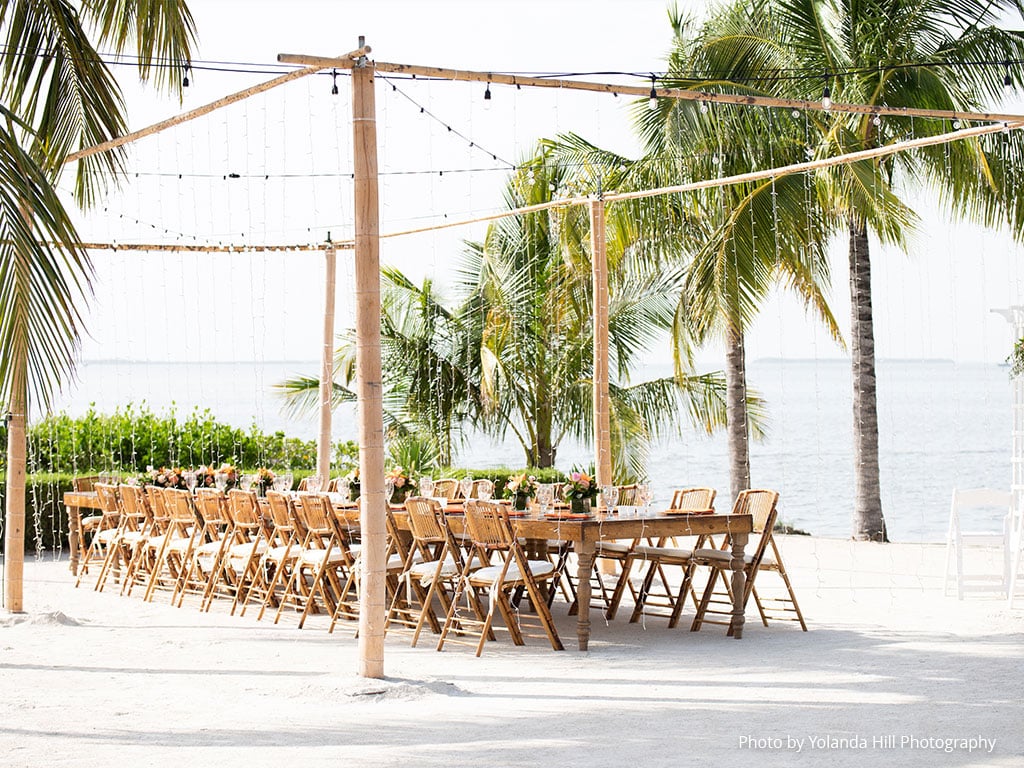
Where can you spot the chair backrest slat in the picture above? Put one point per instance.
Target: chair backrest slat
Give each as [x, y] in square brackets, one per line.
[697, 499]
[488, 524]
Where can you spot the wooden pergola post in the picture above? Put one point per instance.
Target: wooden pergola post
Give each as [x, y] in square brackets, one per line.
[368, 373]
[602, 416]
[323, 444]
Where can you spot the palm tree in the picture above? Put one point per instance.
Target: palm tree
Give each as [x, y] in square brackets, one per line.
[513, 352]
[736, 242]
[56, 96]
[896, 53]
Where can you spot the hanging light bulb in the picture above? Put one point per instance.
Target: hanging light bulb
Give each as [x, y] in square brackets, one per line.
[334, 86]
[703, 107]
[184, 80]
[877, 119]
[652, 102]
[487, 96]
[1007, 80]
[956, 125]
[826, 98]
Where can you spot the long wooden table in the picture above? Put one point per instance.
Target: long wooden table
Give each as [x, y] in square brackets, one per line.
[604, 527]
[584, 534]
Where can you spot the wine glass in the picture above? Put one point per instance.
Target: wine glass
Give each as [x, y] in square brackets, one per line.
[611, 496]
[426, 486]
[286, 481]
[389, 488]
[245, 481]
[545, 497]
[643, 496]
[466, 486]
[485, 489]
[344, 487]
[314, 483]
[191, 478]
[220, 479]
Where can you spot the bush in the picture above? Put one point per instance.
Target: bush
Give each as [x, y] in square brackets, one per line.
[501, 475]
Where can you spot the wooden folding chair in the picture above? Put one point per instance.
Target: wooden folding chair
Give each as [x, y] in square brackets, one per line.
[132, 529]
[447, 488]
[662, 554]
[323, 557]
[280, 557]
[492, 534]
[249, 542]
[105, 532]
[762, 505]
[432, 568]
[176, 543]
[147, 553]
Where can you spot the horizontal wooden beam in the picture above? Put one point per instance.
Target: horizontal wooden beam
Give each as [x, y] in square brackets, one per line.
[345, 61]
[441, 73]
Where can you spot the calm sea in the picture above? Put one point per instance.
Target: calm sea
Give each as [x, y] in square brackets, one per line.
[942, 425]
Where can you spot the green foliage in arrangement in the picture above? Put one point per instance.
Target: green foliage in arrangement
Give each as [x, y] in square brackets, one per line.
[134, 437]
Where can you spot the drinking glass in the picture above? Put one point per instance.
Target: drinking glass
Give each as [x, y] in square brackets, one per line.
[246, 482]
[644, 496]
[426, 486]
[485, 490]
[466, 486]
[545, 497]
[611, 496]
[287, 480]
[389, 489]
[314, 483]
[343, 488]
[191, 480]
[220, 479]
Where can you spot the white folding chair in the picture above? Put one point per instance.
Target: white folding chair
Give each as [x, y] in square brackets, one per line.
[958, 540]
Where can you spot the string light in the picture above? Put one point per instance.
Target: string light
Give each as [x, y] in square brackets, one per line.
[826, 95]
[652, 102]
[487, 96]
[877, 119]
[703, 107]
[1007, 80]
[184, 80]
[334, 87]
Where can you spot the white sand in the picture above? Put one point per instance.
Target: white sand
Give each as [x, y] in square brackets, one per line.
[93, 679]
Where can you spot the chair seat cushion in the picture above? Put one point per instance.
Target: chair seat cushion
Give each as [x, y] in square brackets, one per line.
[107, 536]
[612, 548]
[277, 554]
[490, 573]
[722, 557]
[90, 522]
[333, 556]
[674, 554]
[244, 550]
[425, 572]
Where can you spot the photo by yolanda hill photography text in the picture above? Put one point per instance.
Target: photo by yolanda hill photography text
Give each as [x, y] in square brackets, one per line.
[831, 742]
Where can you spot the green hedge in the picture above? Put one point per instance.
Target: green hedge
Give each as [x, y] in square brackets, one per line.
[501, 475]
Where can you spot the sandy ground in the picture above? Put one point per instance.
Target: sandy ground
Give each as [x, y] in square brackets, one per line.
[892, 672]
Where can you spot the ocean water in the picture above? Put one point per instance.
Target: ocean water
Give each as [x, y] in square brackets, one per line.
[942, 425]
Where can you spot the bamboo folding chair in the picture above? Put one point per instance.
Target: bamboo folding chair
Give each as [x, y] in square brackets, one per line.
[492, 534]
[762, 505]
[143, 565]
[240, 566]
[323, 556]
[432, 568]
[280, 557]
[446, 488]
[209, 542]
[664, 554]
[176, 543]
[105, 531]
[132, 530]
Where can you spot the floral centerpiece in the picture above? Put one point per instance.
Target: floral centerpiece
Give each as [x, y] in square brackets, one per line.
[580, 491]
[263, 481]
[164, 477]
[352, 480]
[521, 488]
[402, 483]
[208, 476]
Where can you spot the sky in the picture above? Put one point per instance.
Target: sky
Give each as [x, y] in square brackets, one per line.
[273, 169]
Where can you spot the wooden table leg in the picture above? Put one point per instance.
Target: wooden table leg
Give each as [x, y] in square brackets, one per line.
[739, 584]
[585, 554]
[74, 537]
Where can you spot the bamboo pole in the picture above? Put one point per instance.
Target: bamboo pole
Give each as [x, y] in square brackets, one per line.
[465, 75]
[323, 445]
[599, 270]
[368, 375]
[343, 62]
[180, 248]
[14, 534]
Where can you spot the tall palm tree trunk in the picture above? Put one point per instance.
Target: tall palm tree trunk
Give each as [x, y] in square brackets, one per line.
[14, 535]
[868, 521]
[736, 412]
